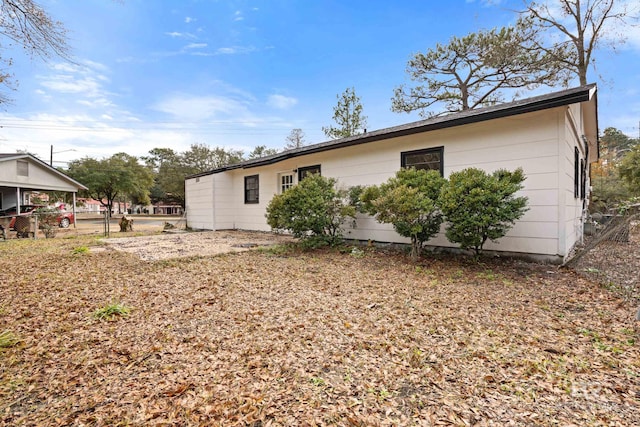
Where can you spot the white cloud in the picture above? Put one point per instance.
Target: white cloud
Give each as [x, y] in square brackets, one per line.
[189, 19]
[238, 16]
[193, 108]
[231, 50]
[281, 102]
[195, 46]
[76, 79]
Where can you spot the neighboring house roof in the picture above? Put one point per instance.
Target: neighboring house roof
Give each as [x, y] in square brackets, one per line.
[17, 156]
[528, 105]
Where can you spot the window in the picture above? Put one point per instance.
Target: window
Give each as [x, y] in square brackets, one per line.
[429, 159]
[252, 189]
[583, 180]
[23, 168]
[576, 173]
[303, 172]
[286, 182]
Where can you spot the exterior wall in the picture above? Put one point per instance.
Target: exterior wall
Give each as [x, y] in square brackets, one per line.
[538, 142]
[200, 202]
[225, 193]
[573, 208]
[39, 177]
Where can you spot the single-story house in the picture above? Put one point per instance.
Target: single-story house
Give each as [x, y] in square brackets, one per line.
[552, 137]
[21, 174]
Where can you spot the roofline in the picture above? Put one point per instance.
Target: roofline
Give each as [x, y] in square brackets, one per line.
[32, 157]
[523, 106]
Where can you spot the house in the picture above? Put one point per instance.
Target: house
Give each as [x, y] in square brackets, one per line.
[553, 137]
[22, 174]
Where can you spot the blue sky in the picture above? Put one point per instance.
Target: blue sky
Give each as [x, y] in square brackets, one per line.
[242, 73]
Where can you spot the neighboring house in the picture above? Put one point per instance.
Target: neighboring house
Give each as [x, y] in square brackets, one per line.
[552, 137]
[90, 206]
[23, 174]
[163, 208]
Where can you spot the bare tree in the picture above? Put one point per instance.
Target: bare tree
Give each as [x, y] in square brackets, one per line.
[583, 25]
[295, 139]
[25, 23]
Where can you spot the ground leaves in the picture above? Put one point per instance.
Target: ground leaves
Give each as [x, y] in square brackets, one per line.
[319, 338]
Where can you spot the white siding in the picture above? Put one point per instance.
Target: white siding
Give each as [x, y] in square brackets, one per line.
[224, 192]
[538, 142]
[200, 202]
[39, 177]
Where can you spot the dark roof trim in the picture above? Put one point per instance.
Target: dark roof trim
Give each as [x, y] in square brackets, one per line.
[529, 105]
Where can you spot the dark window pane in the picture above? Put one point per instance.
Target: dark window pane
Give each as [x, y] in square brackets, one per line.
[304, 172]
[251, 189]
[429, 159]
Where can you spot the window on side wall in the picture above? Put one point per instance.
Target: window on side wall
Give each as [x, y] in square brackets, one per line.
[583, 180]
[252, 189]
[576, 173]
[428, 159]
[23, 168]
[308, 170]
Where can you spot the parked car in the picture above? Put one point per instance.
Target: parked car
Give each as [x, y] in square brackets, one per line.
[65, 219]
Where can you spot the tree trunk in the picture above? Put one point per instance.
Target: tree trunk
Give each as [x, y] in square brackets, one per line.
[415, 249]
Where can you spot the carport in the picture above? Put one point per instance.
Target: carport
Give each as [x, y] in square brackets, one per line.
[22, 173]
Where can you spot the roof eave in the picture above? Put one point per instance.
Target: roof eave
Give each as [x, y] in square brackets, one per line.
[544, 102]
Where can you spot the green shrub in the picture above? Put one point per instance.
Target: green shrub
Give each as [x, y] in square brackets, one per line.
[479, 206]
[312, 210]
[408, 202]
[48, 221]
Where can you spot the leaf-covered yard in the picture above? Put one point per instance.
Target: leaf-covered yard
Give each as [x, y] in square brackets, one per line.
[280, 337]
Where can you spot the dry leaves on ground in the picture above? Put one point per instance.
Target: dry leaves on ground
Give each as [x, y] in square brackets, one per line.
[279, 337]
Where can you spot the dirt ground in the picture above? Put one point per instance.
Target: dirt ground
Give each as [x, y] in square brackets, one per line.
[188, 244]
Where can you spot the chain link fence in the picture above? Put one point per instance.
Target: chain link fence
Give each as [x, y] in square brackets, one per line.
[611, 252]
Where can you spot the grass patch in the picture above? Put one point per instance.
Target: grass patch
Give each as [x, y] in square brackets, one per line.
[8, 339]
[284, 249]
[111, 311]
[80, 250]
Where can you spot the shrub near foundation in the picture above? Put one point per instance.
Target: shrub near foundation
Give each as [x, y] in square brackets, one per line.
[314, 210]
[479, 206]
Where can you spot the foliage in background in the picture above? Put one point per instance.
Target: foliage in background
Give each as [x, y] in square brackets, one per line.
[348, 116]
[107, 179]
[295, 139]
[314, 209]
[473, 71]
[609, 189]
[261, 151]
[408, 202]
[170, 168]
[630, 169]
[479, 206]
